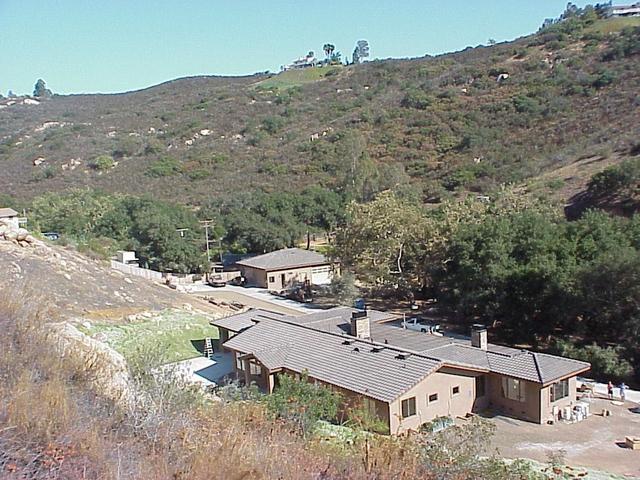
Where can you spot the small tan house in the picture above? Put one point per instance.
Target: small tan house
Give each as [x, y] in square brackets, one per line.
[404, 378]
[286, 268]
[10, 217]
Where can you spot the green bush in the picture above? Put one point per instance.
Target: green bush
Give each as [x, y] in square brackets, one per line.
[272, 125]
[605, 78]
[417, 99]
[303, 403]
[102, 163]
[615, 179]
[526, 104]
[153, 147]
[164, 167]
[198, 174]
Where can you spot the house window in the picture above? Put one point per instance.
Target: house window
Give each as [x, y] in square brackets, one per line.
[433, 398]
[455, 390]
[480, 386]
[370, 406]
[239, 365]
[255, 369]
[513, 389]
[409, 407]
[272, 279]
[559, 390]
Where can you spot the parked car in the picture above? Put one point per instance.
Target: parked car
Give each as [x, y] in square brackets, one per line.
[53, 236]
[216, 280]
[420, 326]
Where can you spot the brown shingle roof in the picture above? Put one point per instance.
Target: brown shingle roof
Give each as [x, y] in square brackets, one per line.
[8, 212]
[452, 351]
[285, 258]
[335, 359]
[241, 321]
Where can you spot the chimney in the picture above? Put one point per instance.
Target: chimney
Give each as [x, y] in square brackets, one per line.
[360, 326]
[479, 336]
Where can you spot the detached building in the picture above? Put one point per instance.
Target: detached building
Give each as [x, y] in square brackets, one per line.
[404, 378]
[10, 217]
[286, 268]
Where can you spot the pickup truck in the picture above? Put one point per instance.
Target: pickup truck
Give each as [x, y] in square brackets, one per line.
[415, 325]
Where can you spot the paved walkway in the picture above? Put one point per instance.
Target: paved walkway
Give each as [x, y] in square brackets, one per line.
[601, 389]
[208, 372]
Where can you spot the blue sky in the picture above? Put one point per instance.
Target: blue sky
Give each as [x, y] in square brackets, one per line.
[81, 46]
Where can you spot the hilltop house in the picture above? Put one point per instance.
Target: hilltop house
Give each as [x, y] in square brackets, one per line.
[309, 60]
[10, 217]
[404, 378]
[286, 268]
[624, 10]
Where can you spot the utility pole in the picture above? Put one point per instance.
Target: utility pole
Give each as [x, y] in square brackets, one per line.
[206, 224]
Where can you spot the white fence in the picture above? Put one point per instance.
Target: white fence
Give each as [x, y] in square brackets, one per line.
[137, 271]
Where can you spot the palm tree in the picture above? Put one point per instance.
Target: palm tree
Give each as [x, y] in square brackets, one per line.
[328, 49]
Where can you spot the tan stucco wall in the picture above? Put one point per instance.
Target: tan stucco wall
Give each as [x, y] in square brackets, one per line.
[527, 410]
[547, 405]
[442, 383]
[293, 276]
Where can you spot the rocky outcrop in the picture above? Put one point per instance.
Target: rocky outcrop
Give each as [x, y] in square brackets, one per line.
[106, 369]
[20, 236]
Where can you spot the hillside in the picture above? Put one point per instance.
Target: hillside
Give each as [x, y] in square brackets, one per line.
[75, 286]
[433, 125]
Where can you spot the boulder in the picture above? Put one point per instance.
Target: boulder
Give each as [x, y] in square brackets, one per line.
[22, 234]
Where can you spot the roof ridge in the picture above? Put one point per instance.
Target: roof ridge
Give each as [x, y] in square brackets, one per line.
[537, 365]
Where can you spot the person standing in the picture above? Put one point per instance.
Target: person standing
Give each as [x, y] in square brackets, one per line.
[623, 387]
[610, 390]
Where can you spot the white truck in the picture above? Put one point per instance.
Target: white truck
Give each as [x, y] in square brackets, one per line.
[418, 326]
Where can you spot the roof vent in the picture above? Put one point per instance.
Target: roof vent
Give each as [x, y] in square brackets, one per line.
[377, 349]
[356, 350]
[403, 355]
[348, 342]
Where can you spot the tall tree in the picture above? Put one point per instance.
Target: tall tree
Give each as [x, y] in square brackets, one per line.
[381, 239]
[361, 51]
[328, 49]
[41, 90]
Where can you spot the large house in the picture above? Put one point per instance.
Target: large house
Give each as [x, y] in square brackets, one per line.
[405, 378]
[286, 268]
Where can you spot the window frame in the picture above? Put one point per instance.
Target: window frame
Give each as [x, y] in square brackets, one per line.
[406, 409]
[563, 385]
[514, 389]
[455, 393]
[435, 400]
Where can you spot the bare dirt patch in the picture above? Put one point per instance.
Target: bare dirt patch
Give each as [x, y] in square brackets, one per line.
[594, 442]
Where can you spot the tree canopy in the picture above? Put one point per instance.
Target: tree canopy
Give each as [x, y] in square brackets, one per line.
[41, 90]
